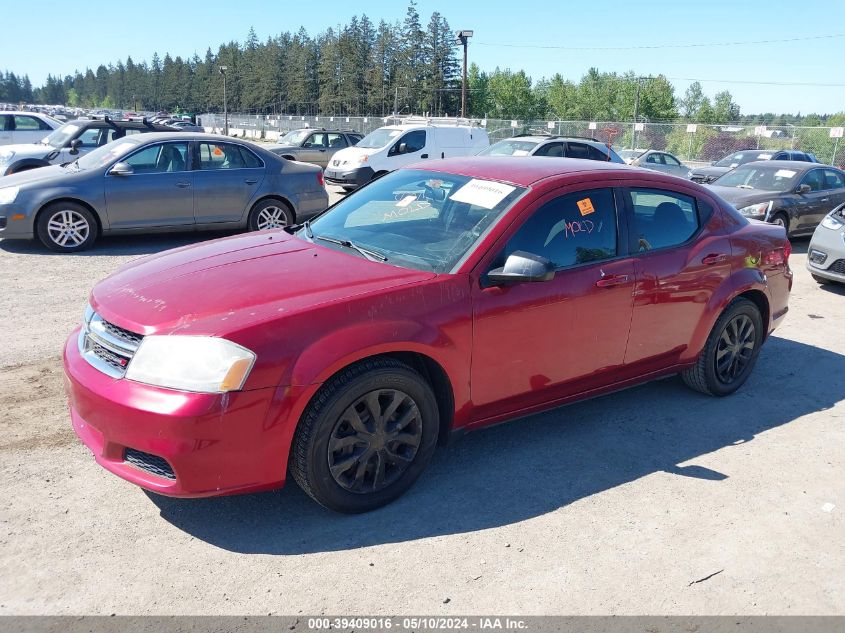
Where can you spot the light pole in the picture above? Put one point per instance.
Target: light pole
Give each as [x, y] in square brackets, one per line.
[636, 112]
[461, 38]
[223, 70]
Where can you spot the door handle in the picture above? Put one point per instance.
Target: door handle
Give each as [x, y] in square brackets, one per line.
[251, 181]
[183, 184]
[715, 258]
[424, 156]
[608, 281]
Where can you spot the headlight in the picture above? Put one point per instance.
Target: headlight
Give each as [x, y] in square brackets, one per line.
[831, 222]
[191, 363]
[6, 156]
[754, 210]
[8, 194]
[363, 159]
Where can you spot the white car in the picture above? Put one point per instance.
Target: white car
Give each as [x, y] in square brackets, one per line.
[25, 127]
[394, 146]
[826, 254]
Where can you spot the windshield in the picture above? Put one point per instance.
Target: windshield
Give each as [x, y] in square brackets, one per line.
[509, 147]
[740, 158]
[378, 138]
[105, 155]
[295, 137]
[416, 219]
[763, 177]
[60, 136]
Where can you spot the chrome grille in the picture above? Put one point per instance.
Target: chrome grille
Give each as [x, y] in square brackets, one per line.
[106, 346]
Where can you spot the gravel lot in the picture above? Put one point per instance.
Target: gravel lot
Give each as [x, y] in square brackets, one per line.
[655, 500]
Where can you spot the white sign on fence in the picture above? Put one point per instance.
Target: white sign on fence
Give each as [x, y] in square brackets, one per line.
[760, 130]
[592, 125]
[365, 119]
[639, 127]
[551, 125]
[691, 128]
[836, 132]
[514, 123]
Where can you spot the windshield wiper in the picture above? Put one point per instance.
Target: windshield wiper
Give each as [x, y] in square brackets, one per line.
[745, 187]
[371, 255]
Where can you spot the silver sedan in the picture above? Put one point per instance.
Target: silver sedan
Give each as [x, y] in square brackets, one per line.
[159, 182]
[662, 161]
[826, 254]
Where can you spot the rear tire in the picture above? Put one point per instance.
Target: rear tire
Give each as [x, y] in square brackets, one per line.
[730, 352]
[270, 214]
[366, 436]
[66, 227]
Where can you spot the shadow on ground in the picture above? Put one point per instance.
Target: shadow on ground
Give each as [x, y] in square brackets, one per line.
[535, 465]
[111, 246]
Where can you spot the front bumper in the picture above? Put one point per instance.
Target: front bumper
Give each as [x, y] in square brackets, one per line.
[349, 178]
[15, 222]
[830, 243]
[196, 445]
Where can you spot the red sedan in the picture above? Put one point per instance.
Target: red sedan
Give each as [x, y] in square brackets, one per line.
[438, 299]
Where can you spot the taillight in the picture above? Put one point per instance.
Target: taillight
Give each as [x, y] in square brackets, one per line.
[320, 179]
[779, 255]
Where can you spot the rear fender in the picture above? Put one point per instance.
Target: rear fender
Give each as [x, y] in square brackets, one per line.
[743, 280]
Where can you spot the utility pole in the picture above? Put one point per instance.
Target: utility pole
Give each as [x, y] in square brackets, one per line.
[461, 38]
[223, 70]
[636, 112]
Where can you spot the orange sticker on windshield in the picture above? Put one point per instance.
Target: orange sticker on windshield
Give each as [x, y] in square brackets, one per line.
[218, 151]
[585, 206]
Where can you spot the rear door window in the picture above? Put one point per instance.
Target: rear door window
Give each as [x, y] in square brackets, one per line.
[550, 149]
[582, 150]
[662, 219]
[833, 179]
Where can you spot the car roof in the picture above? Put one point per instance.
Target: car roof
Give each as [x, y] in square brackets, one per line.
[524, 170]
[798, 165]
[183, 136]
[24, 112]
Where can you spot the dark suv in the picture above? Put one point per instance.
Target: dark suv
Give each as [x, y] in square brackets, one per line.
[70, 141]
[546, 145]
[314, 145]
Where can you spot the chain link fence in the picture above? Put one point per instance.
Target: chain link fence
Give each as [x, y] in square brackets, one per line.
[694, 144]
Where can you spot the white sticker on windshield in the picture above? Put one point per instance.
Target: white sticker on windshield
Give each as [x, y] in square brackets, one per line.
[482, 193]
[520, 152]
[404, 202]
[784, 173]
[764, 157]
[733, 165]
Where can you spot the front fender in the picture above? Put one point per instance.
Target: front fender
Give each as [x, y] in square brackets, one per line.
[23, 164]
[347, 345]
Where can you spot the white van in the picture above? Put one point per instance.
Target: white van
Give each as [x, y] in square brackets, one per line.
[410, 141]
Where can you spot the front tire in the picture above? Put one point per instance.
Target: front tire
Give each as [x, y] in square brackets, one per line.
[270, 214]
[366, 436]
[781, 219]
[66, 227]
[730, 352]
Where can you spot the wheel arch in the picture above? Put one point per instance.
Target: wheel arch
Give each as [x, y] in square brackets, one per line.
[425, 364]
[25, 164]
[759, 298]
[88, 206]
[272, 196]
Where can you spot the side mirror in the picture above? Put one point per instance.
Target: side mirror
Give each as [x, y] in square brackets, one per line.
[75, 144]
[403, 148]
[522, 267]
[121, 169]
[802, 189]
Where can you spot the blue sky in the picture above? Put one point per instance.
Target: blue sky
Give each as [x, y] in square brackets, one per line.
[81, 39]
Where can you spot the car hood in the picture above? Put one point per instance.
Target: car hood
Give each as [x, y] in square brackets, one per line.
[710, 171]
[27, 150]
[350, 155]
[225, 285]
[35, 176]
[739, 197]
